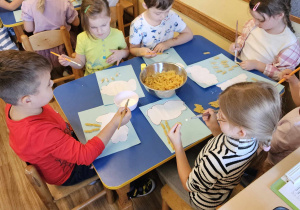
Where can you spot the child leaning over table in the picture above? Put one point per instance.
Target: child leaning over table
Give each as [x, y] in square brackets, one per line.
[286, 137]
[37, 133]
[268, 42]
[153, 31]
[99, 46]
[248, 116]
[46, 15]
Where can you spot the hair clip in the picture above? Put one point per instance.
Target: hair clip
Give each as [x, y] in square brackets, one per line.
[86, 9]
[256, 5]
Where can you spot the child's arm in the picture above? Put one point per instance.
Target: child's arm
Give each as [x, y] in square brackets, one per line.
[137, 50]
[107, 132]
[211, 122]
[183, 37]
[12, 5]
[76, 22]
[117, 56]
[28, 26]
[183, 166]
[293, 83]
[80, 59]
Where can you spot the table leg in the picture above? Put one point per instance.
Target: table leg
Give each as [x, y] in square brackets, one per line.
[19, 32]
[123, 201]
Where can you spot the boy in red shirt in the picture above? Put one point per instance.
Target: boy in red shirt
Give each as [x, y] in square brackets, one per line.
[38, 134]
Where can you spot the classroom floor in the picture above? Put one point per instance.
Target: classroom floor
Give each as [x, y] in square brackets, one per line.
[17, 193]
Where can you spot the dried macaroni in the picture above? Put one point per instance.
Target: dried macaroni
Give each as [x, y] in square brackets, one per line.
[164, 81]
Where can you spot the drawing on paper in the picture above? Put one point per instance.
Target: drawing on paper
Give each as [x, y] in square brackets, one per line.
[167, 111]
[115, 87]
[119, 135]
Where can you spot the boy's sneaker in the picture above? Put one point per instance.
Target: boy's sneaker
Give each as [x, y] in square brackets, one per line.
[141, 189]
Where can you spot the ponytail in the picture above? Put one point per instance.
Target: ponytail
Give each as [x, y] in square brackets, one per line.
[40, 6]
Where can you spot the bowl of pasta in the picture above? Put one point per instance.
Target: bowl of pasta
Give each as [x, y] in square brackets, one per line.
[163, 80]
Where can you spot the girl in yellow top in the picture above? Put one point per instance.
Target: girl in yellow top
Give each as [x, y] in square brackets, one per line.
[99, 46]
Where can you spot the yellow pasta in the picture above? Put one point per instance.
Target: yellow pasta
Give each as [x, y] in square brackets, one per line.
[219, 71]
[214, 104]
[216, 58]
[102, 80]
[166, 133]
[254, 79]
[92, 130]
[164, 81]
[199, 108]
[92, 124]
[206, 53]
[112, 78]
[224, 72]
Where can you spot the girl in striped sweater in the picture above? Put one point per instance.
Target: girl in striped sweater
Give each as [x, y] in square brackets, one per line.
[248, 116]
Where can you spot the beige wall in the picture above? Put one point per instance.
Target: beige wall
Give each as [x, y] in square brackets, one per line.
[225, 11]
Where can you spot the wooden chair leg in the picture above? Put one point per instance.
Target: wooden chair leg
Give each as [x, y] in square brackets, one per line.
[123, 201]
[89, 201]
[165, 205]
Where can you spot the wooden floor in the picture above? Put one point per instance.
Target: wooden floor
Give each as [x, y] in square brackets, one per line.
[17, 193]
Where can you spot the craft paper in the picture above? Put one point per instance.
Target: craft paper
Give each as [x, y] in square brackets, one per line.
[17, 15]
[237, 79]
[169, 56]
[114, 80]
[210, 71]
[191, 131]
[122, 139]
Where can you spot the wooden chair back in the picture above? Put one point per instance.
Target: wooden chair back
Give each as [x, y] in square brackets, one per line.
[49, 39]
[49, 194]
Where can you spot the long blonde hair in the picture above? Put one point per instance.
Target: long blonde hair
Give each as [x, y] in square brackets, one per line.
[40, 5]
[255, 106]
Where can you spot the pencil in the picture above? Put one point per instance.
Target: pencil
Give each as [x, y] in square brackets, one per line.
[292, 73]
[123, 114]
[66, 59]
[205, 114]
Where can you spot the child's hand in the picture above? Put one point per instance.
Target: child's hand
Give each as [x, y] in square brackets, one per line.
[63, 61]
[232, 47]
[290, 79]
[161, 47]
[175, 135]
[118, 115]
[212, 122]
[116, 56]
[249, 64]
[146, 52]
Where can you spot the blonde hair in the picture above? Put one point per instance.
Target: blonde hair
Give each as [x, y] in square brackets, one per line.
[40, 6]
[91, 8]
[253, 106]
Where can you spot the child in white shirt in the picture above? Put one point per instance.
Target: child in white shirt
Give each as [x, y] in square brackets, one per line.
[153, 31]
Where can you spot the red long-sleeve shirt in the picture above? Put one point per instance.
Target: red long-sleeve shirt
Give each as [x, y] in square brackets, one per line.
[44, 141]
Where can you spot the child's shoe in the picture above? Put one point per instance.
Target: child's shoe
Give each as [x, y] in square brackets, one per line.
[141, 189]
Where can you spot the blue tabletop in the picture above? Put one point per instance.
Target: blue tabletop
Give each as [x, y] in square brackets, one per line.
[121, 168]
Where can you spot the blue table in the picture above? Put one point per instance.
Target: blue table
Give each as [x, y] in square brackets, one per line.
[119, 169]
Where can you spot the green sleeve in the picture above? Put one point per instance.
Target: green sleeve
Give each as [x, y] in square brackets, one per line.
[122, 44]
[81, 38]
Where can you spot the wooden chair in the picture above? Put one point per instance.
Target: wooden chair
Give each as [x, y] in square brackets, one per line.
[131, 7]
[170, 200]
[49, 39]
[49, 194]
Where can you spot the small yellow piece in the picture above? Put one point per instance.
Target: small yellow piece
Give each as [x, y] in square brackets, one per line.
[106, 79]
[254, 79]
[213, 62]
[198, 108]
[234, 66]
[230, 69]
[92, 124]
[214, 104]
[112, 78]
[117, 74]
[224, 72]
[216, 58]
[92, 130]
[219, 71]
[224, 61]
[143, 66]
[102, 80]
[206, 53]
[216, 67]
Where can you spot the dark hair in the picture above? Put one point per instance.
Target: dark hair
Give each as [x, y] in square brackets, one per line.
[19, 74]
[255, 106]
[274, 7]
[159, 4]
[91, 8]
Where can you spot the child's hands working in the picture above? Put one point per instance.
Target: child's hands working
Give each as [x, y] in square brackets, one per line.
[253, 64]
[63, 61]
[232, 47]
[117, 117]
[116, 56]
[146, 52]
[161, 47]
[293, 80]
[212, 122]
[175, 136]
